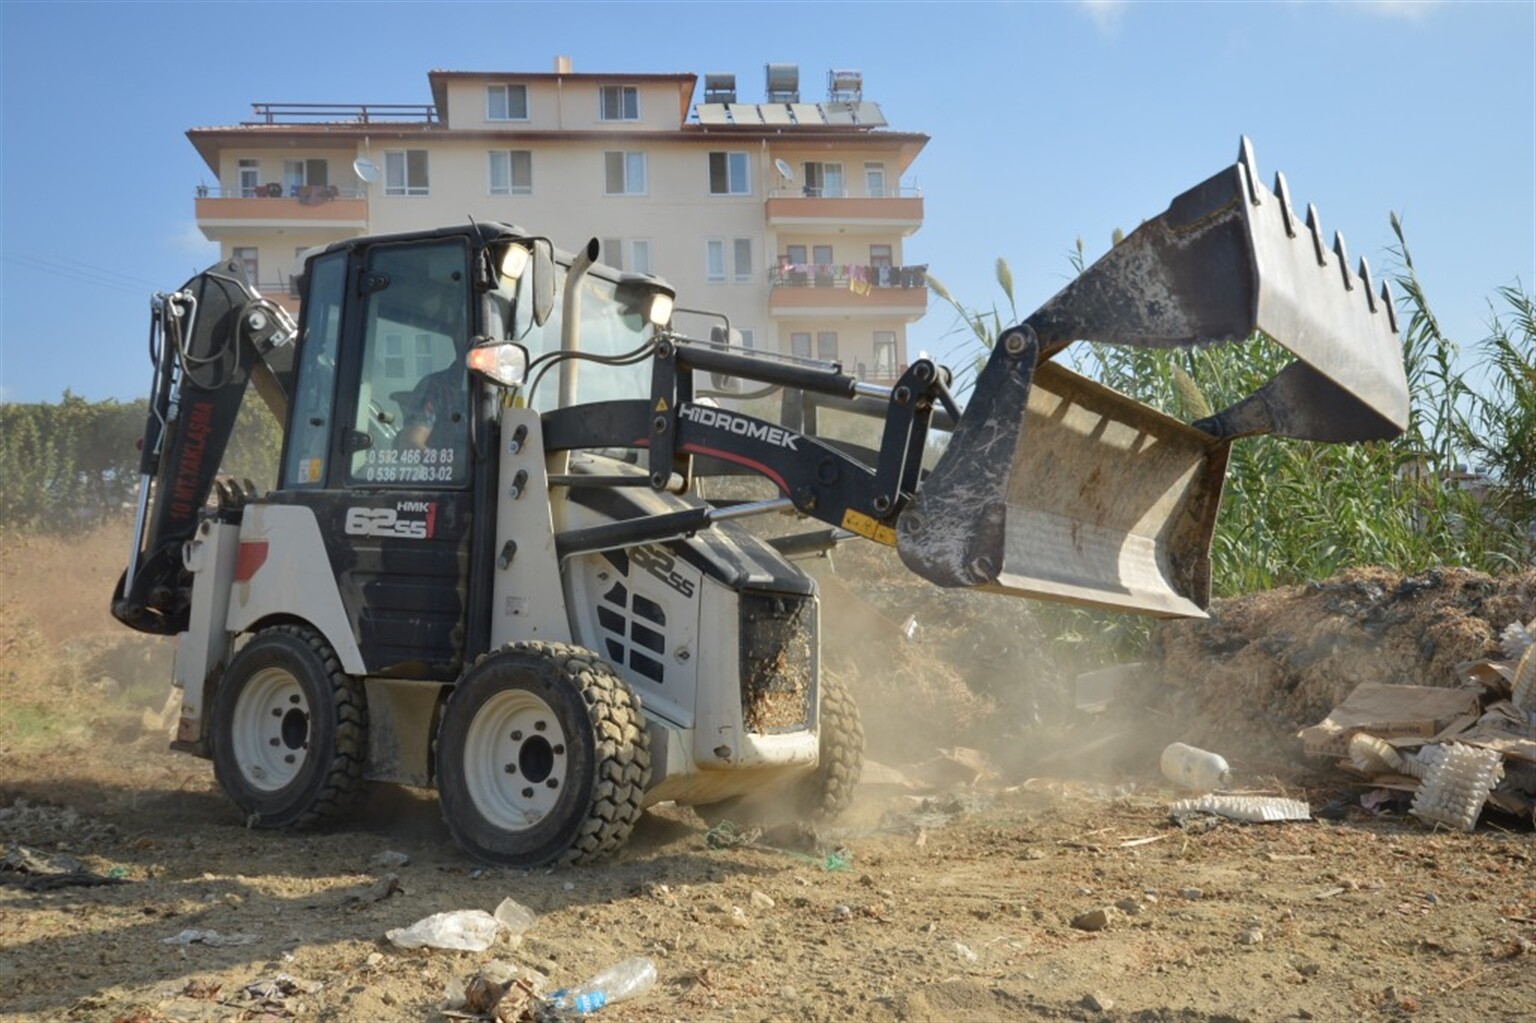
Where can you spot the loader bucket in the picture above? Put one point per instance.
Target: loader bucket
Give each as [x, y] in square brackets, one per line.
[1054, 486]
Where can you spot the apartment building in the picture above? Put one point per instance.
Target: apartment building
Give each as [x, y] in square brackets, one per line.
[789, 214]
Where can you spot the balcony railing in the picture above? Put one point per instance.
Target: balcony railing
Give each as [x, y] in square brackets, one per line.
[343, 113]
[308, 195]
[815, 192]
[853, 277]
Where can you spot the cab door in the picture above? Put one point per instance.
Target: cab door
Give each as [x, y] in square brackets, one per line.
[378, 446]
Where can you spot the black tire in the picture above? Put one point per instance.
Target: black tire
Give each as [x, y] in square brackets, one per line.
[828, 791]
[290, 730]
[542, 757]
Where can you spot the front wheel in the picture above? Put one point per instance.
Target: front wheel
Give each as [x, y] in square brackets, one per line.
[290, 730]
[542, 756]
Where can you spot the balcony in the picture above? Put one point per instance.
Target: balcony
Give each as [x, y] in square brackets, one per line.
[270, 207]
[814, 211]
[843, 289]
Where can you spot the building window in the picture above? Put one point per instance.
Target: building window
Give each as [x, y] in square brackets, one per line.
[394, 357]
[742, 254]
[821, 255]
[640, 256]
[714, 260]
[624, 173]
[299, 174]
[612, 250]
[250, 177]
[885, 355]
[405, 172]
[506, 103]
[619, 103]
[248, 258]
[874, 180]
[795, 255]
[824, 180]
[826, 346]
[880, 255]
[511, 172]
[800, 344]
[728, 174]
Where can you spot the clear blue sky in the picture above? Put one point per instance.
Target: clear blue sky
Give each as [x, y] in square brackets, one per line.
[1049, 122]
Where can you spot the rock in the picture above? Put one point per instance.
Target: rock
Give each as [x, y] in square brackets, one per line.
[760, 901]
[1192, 894]
[1252, 936]
[1094, 1001]
[842, 913]
[389, 858]
[1130, 907]
[1093, 920]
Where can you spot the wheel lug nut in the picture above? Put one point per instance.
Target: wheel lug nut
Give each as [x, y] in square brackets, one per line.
[511, 768]
[552, 783]
[277, 712]
[272, 741]
[294, 698]
[558, 749]
[517, 736]
[538, 726]
[527, 793]
[288, 759]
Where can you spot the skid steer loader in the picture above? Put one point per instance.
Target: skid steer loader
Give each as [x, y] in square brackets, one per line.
[469, 579]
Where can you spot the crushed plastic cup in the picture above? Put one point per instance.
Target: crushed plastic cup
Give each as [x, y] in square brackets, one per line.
[463, 930]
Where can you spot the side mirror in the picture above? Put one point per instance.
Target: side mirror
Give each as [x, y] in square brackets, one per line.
[543, 280]
[503, 362]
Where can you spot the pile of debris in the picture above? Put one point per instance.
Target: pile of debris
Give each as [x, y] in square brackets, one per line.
[1453, 751]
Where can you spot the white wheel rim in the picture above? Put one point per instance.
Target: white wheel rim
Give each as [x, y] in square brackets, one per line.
[271, 729]
[515, 760]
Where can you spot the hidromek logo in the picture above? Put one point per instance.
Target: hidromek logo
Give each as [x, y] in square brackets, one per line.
[722, 420]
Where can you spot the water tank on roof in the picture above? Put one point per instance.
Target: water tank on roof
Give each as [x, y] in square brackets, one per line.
[845, 86]
[783, 83]
[719, 88]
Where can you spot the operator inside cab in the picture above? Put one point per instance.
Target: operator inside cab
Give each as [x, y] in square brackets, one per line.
[433, 412]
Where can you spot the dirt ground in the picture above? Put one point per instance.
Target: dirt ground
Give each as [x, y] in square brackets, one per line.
[1040, 877]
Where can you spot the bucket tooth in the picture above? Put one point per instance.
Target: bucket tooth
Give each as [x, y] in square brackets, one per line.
[1250, 168]
[1386, 300]
[1365, 275]
[1283, 193]
[1315, 223]
[1343, 254]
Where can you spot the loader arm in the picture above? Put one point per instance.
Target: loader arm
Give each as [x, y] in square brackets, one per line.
[207, 342]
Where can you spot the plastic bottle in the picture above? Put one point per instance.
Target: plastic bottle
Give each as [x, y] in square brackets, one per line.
[624, 980]
[1197, 769]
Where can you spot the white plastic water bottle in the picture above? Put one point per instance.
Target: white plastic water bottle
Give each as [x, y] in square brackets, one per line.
[1197, 769]
[628, 979]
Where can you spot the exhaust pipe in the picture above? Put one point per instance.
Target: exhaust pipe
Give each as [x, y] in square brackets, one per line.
[570, 320]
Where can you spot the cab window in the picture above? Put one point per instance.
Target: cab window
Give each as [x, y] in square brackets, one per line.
[411, 426]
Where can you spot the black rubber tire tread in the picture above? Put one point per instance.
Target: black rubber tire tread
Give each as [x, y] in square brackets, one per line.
[621, 764]
[840, 760]
[333, 789]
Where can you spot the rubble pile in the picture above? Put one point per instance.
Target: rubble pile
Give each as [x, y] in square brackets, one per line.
[1451, 752]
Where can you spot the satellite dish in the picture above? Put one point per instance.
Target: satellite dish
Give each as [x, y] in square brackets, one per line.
[785, 170]
[366, 169]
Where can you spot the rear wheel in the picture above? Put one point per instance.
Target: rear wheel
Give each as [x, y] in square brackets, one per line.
[542, 757]
[290, 730]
